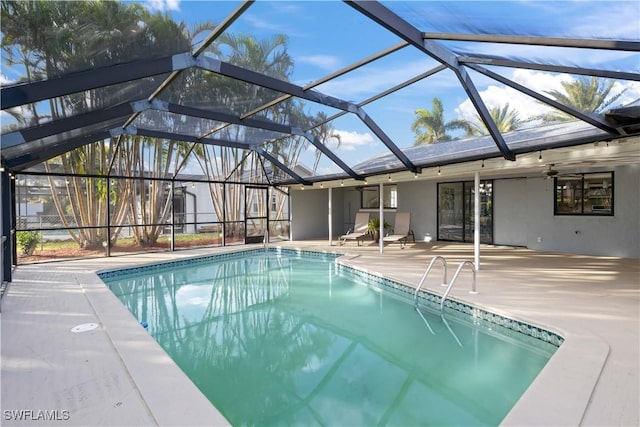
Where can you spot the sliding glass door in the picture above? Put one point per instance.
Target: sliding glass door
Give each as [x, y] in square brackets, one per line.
[456, 204]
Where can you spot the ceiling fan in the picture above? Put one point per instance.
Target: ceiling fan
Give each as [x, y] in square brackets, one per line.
[550, 172]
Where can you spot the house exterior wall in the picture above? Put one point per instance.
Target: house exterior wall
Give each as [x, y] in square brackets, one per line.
[310, 213]
[617, 235]
[522, 208]
[350, 207]
[509, 209]
[421, 199]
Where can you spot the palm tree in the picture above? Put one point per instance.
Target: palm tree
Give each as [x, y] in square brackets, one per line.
[268, 56]
[430, 127]
[326, 133]
[506, 119]
[589, 95]
[94, 34]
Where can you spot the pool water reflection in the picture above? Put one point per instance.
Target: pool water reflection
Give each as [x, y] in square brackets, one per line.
[276, 339]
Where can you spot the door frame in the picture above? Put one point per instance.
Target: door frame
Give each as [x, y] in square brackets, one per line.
[248, 216]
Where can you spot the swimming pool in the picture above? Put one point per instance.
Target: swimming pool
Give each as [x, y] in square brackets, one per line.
[287, 337]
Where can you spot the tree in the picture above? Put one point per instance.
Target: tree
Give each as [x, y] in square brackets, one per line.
[589, 95]
[430, 127]
[267, 56]
[82, 202]
[506, 119]
[53, 38]
[325, 133]
[154, 160]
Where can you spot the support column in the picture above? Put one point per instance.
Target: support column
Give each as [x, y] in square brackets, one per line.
[330, 219]
[224, 213]
[5, 221]
[381, 212]
[107, 248]
[476, 231]
[173, 215]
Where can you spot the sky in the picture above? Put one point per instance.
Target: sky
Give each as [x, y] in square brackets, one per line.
[325, 36]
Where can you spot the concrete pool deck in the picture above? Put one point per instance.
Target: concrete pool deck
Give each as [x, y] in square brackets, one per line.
[116, 374]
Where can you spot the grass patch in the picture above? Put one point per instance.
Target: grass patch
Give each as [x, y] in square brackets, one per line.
[128, 241]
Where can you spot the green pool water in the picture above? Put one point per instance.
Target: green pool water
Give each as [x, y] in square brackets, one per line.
[283, 339]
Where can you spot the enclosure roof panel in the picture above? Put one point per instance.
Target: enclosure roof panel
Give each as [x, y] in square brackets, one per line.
[307, 91]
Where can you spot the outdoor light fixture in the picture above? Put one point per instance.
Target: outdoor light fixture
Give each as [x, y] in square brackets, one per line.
[321, 185]
[389, 178]
[302, 187]
[342, 183]
[415, 175]
[1, 168]
[193, 185]
[540, 156]
[482, 163]
[439, 170]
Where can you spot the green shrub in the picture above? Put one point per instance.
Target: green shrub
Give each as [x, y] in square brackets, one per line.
[374, 225]
[27, 241]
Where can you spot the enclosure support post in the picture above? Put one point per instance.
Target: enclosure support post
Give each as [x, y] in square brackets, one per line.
[476, 222]
[107, 244]
[330, 219]
[6, 236]
[224, 214]
[381, 211]
[173, 215]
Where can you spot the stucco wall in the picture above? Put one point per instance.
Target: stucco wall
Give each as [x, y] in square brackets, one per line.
[310, 213]
[509, 210]
[523, 215]
[350, 207]
[420, 198]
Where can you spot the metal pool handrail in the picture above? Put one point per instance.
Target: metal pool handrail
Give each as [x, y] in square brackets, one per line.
[265, 239]
[453, 280]
[426, 273]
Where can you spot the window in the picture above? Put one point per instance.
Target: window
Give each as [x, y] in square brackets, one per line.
[370, 197]
[584, 194]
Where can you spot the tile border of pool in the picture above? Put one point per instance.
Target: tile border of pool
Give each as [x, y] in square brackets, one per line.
[389, 285]
[425, 296]
[155, 266]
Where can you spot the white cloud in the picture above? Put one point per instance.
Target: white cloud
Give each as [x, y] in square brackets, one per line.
[351, 140]
[494, 96]
[162, 5]
[631, 92]
[540, 82]
[327, 62]
[625, 15]
[191, 295]
[4, 80]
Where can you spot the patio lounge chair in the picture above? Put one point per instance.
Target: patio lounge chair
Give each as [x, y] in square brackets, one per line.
[359, 231]
[401, 230]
